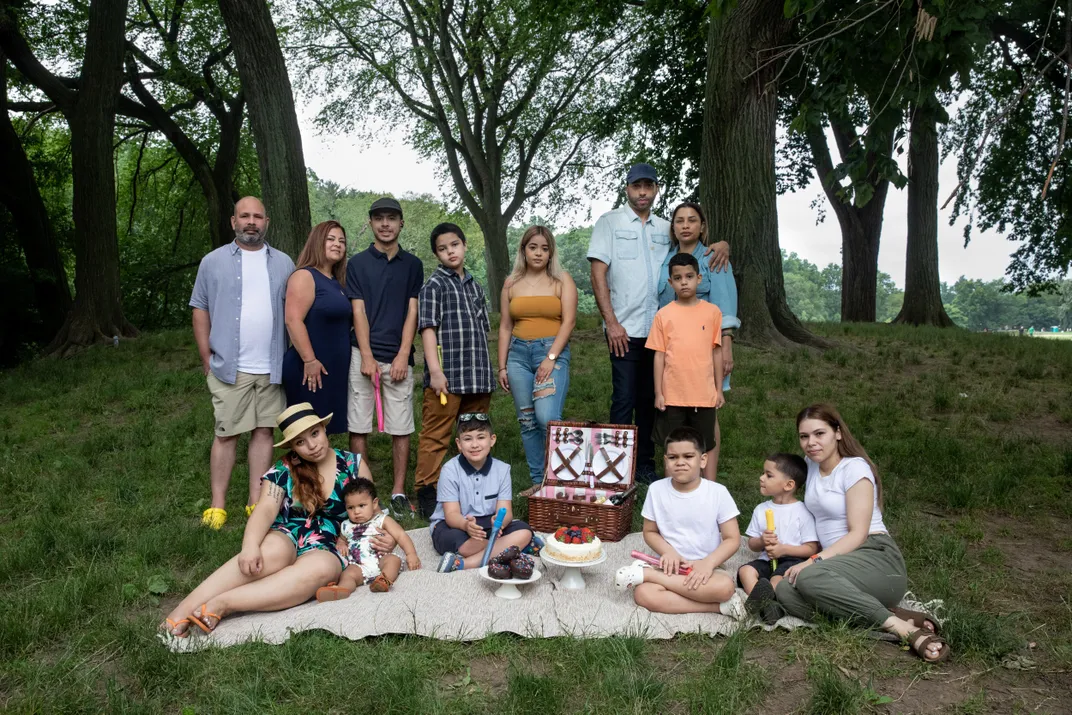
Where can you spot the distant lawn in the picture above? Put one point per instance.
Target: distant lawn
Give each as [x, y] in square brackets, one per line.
[1054, 336]
[105, 472]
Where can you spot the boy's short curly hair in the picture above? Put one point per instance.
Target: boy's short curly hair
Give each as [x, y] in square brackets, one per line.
[359, 485]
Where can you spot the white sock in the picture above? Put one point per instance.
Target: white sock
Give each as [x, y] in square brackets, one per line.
[397, 495]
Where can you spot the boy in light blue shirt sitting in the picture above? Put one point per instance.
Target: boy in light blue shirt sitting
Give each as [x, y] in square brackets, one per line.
[472, 487]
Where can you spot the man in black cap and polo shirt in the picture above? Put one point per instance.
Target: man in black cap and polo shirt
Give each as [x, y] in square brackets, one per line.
[626, 253]
[383, 283]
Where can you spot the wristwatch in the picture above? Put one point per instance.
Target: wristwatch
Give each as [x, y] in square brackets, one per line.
[552, 357]
[815, 557]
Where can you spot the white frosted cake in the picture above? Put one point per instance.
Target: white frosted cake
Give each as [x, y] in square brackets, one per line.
[574, 544]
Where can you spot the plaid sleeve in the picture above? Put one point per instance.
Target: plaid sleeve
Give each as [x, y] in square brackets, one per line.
[485, 321]
[429, 306]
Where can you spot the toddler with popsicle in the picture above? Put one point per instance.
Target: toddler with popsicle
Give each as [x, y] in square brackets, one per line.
[782, 530]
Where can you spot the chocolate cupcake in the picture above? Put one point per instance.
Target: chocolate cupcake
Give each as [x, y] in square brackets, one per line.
[499, 571]
[522, 567]
[507, 555]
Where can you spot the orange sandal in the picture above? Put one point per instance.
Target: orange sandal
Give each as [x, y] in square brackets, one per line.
[331, 593]
[198, 619]
[172, 625]
[381, 584]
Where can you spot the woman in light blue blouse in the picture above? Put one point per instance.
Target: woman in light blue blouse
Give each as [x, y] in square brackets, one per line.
[688, 233]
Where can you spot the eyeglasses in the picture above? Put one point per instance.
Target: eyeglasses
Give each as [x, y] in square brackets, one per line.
[478, 416]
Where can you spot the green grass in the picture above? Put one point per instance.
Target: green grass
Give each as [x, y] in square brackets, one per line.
[104, 473]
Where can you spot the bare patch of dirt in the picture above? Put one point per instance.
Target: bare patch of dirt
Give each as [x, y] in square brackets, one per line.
[489, 673]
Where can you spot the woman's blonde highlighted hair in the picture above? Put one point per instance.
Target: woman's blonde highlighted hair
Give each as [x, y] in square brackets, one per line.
[554, 269]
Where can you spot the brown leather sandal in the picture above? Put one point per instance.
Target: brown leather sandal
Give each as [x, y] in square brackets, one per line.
[918, 619]
[920, 648]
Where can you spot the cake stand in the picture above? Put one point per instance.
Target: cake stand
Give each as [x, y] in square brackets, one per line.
[572, 579]
[508, 587]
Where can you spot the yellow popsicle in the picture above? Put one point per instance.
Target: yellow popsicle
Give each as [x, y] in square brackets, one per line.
[770, 527]
[442, 395]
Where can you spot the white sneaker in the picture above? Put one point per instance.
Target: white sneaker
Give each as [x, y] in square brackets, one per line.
[628, 577]
[734, 608]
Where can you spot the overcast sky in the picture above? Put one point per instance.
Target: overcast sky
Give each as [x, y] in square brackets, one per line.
[392, 167]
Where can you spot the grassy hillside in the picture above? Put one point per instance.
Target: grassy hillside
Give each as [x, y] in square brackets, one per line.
[105, 473]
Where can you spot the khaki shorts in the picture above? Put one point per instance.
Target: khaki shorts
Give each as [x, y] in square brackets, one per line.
[253, 401]
[397, 398]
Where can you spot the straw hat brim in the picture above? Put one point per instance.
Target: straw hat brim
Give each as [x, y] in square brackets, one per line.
[295, 428]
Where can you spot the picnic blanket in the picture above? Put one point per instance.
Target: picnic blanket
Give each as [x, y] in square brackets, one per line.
[463, 606]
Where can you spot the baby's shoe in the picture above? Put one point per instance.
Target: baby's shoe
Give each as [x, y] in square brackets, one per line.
[450, 562]
[380, 584]
[629, 576]
[534, 547]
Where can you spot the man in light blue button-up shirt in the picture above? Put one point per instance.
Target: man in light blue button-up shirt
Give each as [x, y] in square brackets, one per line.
[239, 327]
[626, 253]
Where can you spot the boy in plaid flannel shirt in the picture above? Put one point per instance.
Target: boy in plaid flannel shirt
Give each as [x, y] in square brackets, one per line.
[453, 317]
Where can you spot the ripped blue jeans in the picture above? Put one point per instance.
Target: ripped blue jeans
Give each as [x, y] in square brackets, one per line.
[536, 403]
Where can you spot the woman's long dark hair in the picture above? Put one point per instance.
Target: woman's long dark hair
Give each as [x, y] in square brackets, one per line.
[847, 446]
[306, 482]
[315, 251]
[699, 212]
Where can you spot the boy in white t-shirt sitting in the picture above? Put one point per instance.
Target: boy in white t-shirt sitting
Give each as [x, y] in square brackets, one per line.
[691, 523]
[792, 540]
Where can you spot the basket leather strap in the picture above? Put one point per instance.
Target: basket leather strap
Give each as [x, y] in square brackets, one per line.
[611, 464]
[566, 462]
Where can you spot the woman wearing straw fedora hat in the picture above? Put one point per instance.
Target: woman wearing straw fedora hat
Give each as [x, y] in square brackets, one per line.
[288, 550]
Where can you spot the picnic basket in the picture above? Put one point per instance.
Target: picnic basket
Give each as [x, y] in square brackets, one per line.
[578, 483]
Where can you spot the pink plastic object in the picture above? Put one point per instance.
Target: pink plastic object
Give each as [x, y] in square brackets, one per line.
[379, 400]
[682, 570]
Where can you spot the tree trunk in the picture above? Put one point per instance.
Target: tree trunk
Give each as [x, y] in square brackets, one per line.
[97, 313]
[275, 124]
[737, 166]
[22, 197]
[923, 296]
[861, 229]
[223, 171]
[859, 263]
[496, 256]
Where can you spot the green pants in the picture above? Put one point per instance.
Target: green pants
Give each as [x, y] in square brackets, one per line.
[859, 587]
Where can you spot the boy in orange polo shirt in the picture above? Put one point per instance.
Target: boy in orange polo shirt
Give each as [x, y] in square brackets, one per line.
[686, 337]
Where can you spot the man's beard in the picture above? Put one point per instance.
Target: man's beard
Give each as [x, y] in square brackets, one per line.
[244, 238]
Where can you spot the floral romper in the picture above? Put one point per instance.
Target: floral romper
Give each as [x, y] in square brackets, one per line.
[359, 551]
[321, 530]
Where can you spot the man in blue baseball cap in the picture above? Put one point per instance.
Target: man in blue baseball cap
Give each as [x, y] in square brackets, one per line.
[627, 250]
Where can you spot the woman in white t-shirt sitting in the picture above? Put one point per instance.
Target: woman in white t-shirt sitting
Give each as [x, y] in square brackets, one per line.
[859, 574]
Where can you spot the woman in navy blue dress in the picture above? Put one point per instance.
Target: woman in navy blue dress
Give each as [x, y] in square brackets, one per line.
[316, 368]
